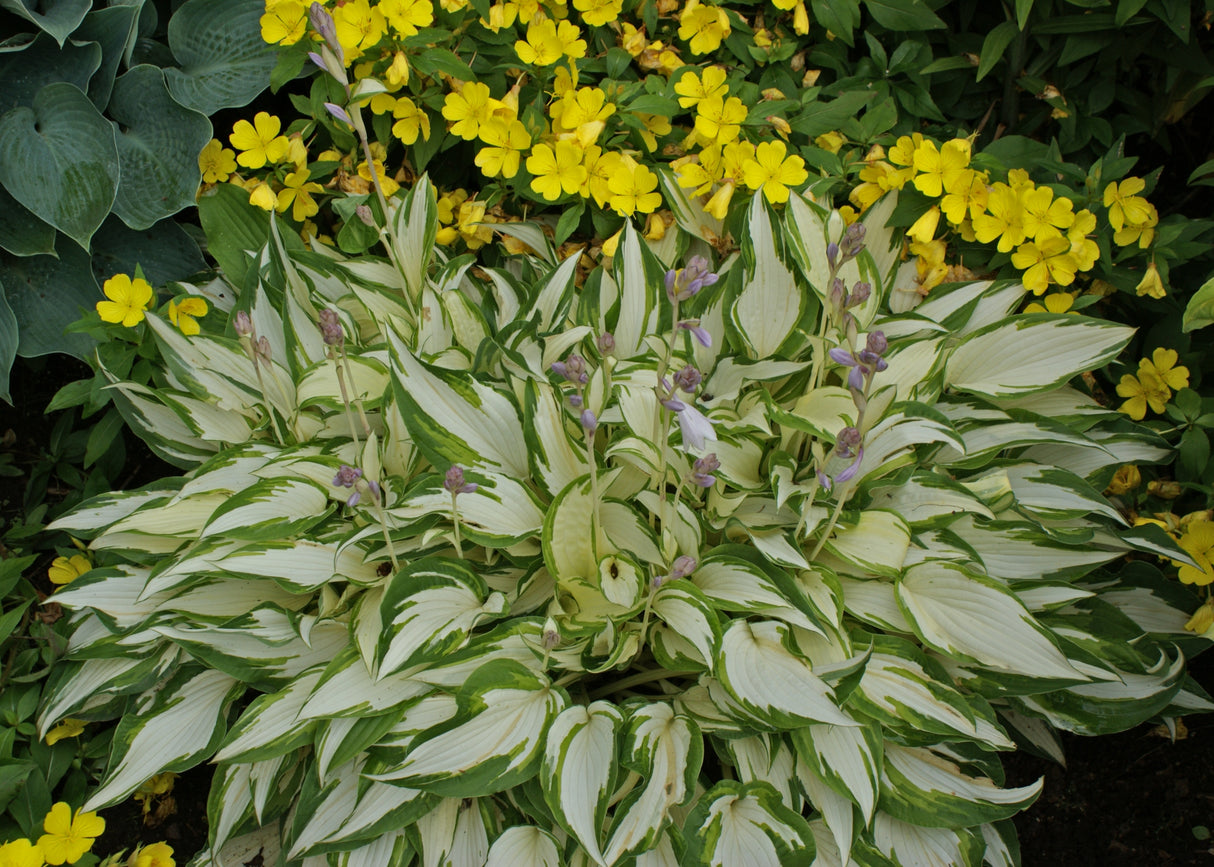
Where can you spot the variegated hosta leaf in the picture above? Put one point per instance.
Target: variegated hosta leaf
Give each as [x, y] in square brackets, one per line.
[499, 513]
[769, 304]
[454, 834]
[746, 823]
[270, 509]
[638, 276]
[270, 725]
[492, 743]
[429, 610]
[848, 759]
[776, 686]
[925, 846]
[665, 749]
[963, 615]
[927, 788]
[524, 845]
[178, 725]
[734, 580]
[579, 769]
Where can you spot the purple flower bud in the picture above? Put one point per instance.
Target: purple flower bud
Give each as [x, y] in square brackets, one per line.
[842, 355]
[606, 343]
[674, 405]
[364, 213]
[454, 483]
[318, 60]
[353, 499]
[330, 327]
[847, 442]
[242, 324]
[832, 253]
[322, 23]
[859, 294]
[854, 467]
[263, 349]
[683, 566]
[824, 480]
[338, 112]
[347, 476]
[573, 369]
[838, 294]
[876, 343]
[688, 379]
[589, 422]
[575, 401]
[681, 285]
[853, 241]
[550, 637]
[702, 470]
[855, 378]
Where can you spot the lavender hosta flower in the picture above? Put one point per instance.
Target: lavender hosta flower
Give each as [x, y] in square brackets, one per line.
[688, 379]
[864, 363]
[681, 285]
[330, 328]
[453, 481]
[338, 112]
[832, 254]
[859, 293]
[323, 23]
[589, 422]
[347, 476]
[700, 334]
[364, 213]
[848, 445]
[853, 241]
[606, 343]
[666, 396]
[242, 324]
[573, 369]
[263, 350]
[695, 427]
[682, 567]
[702, 470]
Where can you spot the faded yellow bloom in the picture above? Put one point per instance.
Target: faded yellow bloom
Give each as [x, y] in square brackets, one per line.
[69, 728]
[1151, 283]
[185, 314]
[1126, 479]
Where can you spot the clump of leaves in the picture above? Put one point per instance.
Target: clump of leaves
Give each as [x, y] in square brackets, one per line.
[490, 565]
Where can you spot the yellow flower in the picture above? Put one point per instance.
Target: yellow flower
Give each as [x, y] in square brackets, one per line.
[830, 141]
[1044, 215]
[69, 728]
[600, 166]
[471, 223]
[20, 853]
[155, 855]
[411, 121]
[467, 109]
[65, 570]
[1142, 391]
[693, 89]
[128, 300]
[634, 190]
[940, 169]
[1132, 217]
[216, 162]
[598, 12]
[655, 125]
[1202, 621]
[1085, 251]
[965, 198]
[923, 229]
[1003, 219]
[1151, 283]
[546, 43]
[298, 192]
[772, 173]
[406, 16]
[183, 315]
[284, 23]
[703, 27]
[1126, 479]
[359, 26]
[1162, 364]
[719, 121]
[259, 141]
[1055, 302]
[262, 195]
[557, 169]
[506, 140]
[903, 151]
[718, 205]
[67, 838]
[1198, 543]
[1044, 262]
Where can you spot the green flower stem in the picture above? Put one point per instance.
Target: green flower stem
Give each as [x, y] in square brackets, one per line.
[345, 397]
[358, 404]
[251, 350]
[383, 526]
[459, 544]
[637, 679]
[596, 521]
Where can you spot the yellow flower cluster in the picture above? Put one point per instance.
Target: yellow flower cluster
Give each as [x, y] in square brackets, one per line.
[66, 840]
[1194, 533]
[1048, 240]
[126, 304]
[1158, 376]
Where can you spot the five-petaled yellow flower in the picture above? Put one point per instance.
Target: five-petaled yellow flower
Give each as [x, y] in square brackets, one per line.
[1198, 543]
[633, 190]
[557, 169]
[1142, 391]
[296, 194]
[128, 300]
[20, 853]
[216, 162]
[718, 121]
[259, 142]
[1162, 364]
[693, 89]
[468, 109]
[68, 837]
[183, 315]
[155, 855]
[772, 172]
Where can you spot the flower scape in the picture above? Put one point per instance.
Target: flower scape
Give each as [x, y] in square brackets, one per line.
[655, 564]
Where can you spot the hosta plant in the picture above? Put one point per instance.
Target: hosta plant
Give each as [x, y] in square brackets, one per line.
[667, 563]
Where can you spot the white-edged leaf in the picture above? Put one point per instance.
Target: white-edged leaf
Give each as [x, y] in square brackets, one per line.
[770, 303]
[846, 758]
[637, 275]
[578, 771]
[737, 823]
[270, 509]
[270, 725]
[524, 844]
[876, 543]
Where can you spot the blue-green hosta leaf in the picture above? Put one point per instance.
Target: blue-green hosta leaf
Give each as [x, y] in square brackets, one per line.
[777, 687]
[769, 304]
[876, 543]
[60, 160]
[158, 144]
[579, 768]
[269, 509]
[270, 726]
[746, 823]
[173, 728]
[905, 843]
[638, 276]
[1111, 706]
[1032, 353]
[58, 17]
[973, 618]
[848, 759]
[927, 788]
[429, 610]
[666, 749]
[224, 61]
[454, 419]
[524, 844]
[414, 226]
[495, 740]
